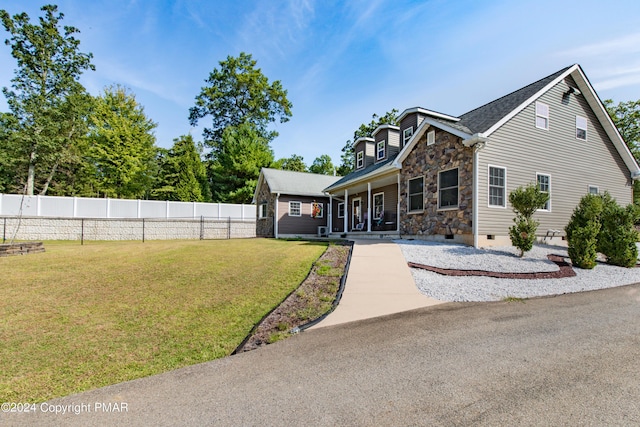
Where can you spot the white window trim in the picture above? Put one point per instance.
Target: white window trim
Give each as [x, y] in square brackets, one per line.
[359, 159]
[378, 150]
[321, 209]
[262, 211]
[431, 137]
[374, 204]
[299, 208]
[406, 135]
[546, 117]
[549, 202]
[410, 194]
[449, 208]
[589, 187]
[341, 216]
[586, 133]
[504, 196]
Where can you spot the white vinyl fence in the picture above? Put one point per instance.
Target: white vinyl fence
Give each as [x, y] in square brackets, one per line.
[81, 218]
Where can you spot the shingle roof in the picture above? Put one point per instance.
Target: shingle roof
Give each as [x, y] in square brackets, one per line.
[297, 183]
[362, 172]
[483, 118]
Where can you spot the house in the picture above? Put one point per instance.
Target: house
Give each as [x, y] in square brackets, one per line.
[292, 204]
[439, 177]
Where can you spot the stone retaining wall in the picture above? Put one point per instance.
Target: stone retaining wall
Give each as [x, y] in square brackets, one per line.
[125, 229]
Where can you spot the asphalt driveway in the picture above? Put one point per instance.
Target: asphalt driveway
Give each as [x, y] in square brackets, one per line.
[566, 360]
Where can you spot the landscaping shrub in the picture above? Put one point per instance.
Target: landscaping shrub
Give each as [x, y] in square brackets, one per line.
[599, 224]
[525, 201]
[618, 236]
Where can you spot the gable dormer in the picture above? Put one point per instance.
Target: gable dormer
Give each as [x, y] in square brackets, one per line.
[363, 151]
[386, 142]
[409, 121]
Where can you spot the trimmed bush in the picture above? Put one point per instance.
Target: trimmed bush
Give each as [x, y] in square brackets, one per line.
[583, 245]
[525, 201]
[618, 236]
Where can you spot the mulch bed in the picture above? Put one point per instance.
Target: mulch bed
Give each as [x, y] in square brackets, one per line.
[315, 292]
[565, 270]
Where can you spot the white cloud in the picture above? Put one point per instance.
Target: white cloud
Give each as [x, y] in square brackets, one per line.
[619, 46]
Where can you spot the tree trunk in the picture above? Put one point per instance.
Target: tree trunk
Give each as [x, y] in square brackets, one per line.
[49, 178]
[31, 174]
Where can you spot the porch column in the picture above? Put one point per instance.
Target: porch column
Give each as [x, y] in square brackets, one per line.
[346, 211]
[275, 217]
[398, 208]
[369, 207]
[330, 218]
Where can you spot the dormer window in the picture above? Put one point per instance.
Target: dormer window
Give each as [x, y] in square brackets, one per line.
[542, 116]
[359, 159]
[380, 150]
[406, 135]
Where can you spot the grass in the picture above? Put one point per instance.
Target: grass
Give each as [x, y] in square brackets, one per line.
[513, 299]
[80, 317]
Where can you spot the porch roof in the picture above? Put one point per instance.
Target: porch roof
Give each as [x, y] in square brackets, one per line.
[355, 176]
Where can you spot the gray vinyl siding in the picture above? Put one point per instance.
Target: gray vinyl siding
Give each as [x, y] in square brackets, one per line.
[573, 164]
[337, 224]
[303, 224]
[369, 154]
[393, 143]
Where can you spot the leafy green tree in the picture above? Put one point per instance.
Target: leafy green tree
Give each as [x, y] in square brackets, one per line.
[365, 130]
[182, 174]
[294, 163]
[525, 201]
[237, 160]
[626, 117]
[239, 93]
[46, 99]
[122, 145]
[322, 165]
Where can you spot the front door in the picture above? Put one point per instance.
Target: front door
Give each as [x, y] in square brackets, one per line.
[356, 212]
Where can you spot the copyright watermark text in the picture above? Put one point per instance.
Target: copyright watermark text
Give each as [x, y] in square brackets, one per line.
[67, 408]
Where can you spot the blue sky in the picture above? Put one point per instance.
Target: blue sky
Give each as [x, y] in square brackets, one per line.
[343, 61]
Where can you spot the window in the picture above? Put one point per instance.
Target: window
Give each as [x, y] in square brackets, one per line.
[431, 137]
[593, 189]
[380, 150]
[317, 210]
[448, 189]
[416, 194]
[544, 185]
[340, 210]
[581, 128]
[497, 185]
[262, 211]
[295, 209]
[406, 135]
[359, 159]
[542, 115]
[378, 205]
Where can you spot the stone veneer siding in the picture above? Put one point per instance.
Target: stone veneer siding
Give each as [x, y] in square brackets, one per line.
[447, 153]
[264, 226]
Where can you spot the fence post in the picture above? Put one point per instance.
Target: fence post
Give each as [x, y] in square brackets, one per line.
[142, 230]
[82, 231]
[229, 229]
[201, 227]
[4, 231]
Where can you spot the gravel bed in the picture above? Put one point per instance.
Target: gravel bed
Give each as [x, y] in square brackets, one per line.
[504, 259]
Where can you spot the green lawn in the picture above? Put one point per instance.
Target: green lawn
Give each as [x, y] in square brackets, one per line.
[80, 317]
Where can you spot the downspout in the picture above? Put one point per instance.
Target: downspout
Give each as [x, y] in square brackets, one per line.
[477, 142]
[330, 219]
[398, 208]
[275, 219]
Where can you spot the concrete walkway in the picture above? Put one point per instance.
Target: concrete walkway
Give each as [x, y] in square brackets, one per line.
[379, 282]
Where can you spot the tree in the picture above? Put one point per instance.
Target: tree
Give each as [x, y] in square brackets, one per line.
[239, 156]
[626, 117]
[322, 165]
[294, 163]
[182, 174]
[46, 95]
[239, 93]
[525, 202]
[122, 145]
[365, 130]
